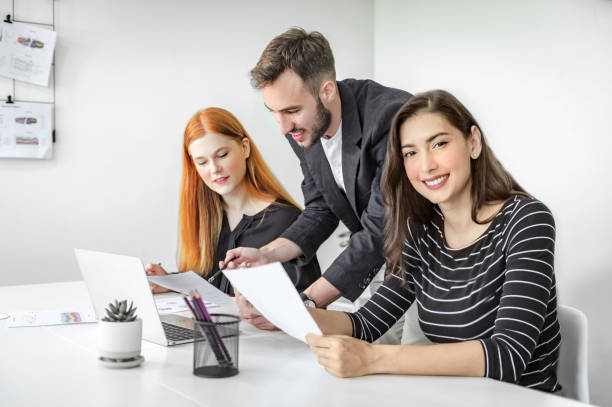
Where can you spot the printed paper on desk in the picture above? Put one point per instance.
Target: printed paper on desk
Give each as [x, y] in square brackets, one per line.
[51, 317]
[174, 305]
[188, 281]
[270, 290]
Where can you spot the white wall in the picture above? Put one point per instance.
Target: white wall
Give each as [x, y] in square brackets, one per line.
[538, 78]
[129, 76]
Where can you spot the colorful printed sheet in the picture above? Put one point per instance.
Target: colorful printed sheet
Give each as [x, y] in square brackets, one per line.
[51, 317]
[26, 52]
[26, 130]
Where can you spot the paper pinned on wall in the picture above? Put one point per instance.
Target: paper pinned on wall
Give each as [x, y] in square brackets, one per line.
[26, 130]
[51, 317]
[26, 52]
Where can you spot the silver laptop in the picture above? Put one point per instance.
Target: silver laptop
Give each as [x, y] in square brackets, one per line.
[110, 276]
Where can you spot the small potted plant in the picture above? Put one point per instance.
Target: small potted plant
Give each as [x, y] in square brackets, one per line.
[120, 334]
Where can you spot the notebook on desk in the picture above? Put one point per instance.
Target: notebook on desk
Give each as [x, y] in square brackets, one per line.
[112, 277]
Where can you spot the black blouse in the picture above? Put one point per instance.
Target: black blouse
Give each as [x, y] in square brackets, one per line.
[258, 230]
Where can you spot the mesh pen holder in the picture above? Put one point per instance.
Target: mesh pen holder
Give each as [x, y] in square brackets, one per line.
[215, 346]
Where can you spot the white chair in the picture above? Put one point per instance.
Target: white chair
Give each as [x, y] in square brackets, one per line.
[572, 370]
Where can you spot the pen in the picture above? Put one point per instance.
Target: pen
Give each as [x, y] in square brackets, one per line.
[211, 334]
[189, 306]
[200, 303]
[211, 279]
[196, 310]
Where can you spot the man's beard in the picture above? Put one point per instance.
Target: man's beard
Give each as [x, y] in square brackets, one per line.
[322, 123]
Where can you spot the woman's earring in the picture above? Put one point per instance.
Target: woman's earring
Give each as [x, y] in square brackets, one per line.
[474, 156]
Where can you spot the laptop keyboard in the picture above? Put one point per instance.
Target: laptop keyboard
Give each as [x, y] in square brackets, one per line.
[177, 333]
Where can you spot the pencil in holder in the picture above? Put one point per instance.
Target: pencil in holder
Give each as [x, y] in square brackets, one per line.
[215, 346]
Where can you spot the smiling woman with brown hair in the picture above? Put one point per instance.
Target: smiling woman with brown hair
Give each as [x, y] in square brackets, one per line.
[468, 246]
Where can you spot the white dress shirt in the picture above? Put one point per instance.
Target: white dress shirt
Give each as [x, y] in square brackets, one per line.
[333, 151]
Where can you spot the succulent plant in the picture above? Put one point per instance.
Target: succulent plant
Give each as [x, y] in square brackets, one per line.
[119, 312]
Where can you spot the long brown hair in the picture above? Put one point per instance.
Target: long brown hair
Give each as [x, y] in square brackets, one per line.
[200, 208]
[403, 204]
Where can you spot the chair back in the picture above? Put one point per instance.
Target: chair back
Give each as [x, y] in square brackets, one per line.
[572, 370]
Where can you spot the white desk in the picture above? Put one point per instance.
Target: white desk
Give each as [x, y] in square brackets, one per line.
[57, 366]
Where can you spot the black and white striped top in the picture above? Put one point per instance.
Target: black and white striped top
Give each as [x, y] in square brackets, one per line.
[500, 290]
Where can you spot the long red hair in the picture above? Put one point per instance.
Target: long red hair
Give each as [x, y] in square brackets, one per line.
[200, 208]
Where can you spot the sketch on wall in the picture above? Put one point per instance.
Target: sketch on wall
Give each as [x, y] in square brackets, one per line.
[26, 52]
[26, 130]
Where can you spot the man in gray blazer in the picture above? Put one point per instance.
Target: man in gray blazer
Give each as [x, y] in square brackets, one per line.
[339, 131]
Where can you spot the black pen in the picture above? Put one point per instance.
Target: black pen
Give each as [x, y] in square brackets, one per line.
[211, 279]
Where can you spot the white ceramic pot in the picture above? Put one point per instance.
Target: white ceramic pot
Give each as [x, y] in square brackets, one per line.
[119, 340]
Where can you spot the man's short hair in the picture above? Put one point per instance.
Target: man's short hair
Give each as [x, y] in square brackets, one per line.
[307, 54]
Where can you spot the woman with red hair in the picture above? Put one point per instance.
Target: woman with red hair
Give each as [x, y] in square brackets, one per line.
[229, 198]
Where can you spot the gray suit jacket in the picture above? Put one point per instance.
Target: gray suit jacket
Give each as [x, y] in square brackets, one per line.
[367, 110]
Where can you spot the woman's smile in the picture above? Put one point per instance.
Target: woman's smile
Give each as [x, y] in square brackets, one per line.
[436, 182]
[221, 180]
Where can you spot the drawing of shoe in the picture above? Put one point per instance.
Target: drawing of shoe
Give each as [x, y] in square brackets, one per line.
[37, 44]
[26, 120]
[23, 41]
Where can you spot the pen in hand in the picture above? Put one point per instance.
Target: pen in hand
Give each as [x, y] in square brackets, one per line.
[212, 278]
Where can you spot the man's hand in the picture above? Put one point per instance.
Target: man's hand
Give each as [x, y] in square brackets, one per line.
[156, 270]
[243, 257]
[280, 249]
[249, 313]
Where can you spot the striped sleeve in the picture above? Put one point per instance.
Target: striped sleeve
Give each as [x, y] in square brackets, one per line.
[529, 251]
[389, 302]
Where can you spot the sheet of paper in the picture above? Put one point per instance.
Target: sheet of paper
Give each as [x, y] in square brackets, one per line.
[188, 281]
[174, 305]
[26, 130]
[51, 317]
[26, 52]
[271, 291]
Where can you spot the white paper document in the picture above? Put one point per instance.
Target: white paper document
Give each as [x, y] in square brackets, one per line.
[51, 317]
[26, 130]
[271, 291]
[26, 52]
[175, 305]
[170, 305]
[189, 281]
